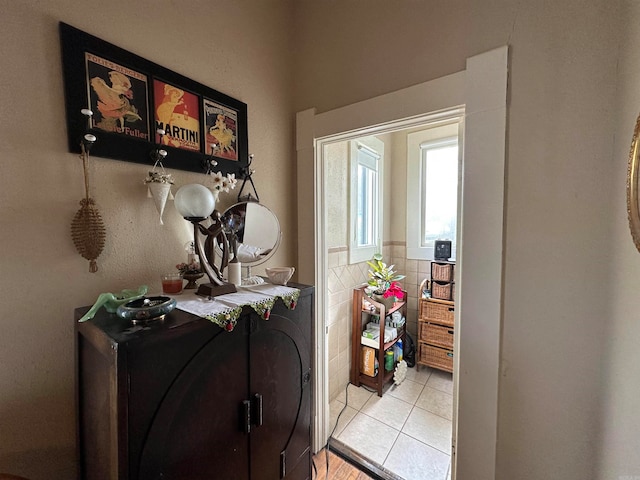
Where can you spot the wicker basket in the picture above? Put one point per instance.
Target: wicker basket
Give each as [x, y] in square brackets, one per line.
[440, 312]
[422, 308]
[442, 291]
[436, 335]
[442, 272]
[436, 357]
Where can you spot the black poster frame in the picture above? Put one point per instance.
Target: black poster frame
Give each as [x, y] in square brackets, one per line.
[136, 144]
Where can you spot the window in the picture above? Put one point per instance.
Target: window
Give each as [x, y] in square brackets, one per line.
[432, 189]
[440, 190]
[366, 155]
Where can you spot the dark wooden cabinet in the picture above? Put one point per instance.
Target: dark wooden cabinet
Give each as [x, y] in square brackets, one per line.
[184, 399]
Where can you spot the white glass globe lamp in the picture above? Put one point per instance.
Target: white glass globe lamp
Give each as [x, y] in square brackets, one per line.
[194, 201]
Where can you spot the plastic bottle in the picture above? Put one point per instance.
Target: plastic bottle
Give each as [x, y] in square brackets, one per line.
[388, 360]
[399, 350]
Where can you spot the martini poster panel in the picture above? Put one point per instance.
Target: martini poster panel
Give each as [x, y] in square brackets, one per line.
[221, 129]
[118, 97]
[177, 112]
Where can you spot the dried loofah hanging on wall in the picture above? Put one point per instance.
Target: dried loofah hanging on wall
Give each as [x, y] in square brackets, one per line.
[88, 232]
[87, 228]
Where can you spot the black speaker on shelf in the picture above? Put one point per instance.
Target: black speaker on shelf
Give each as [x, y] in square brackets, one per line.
[442, 250]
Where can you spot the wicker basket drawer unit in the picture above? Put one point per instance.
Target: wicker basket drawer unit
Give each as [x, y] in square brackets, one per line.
[440, 311]
[437, 335]
[436, 357]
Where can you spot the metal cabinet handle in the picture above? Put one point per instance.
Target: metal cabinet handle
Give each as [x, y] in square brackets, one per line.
[246, 415]
[257, 409]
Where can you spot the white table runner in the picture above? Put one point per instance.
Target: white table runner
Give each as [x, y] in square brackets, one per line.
[224, 310]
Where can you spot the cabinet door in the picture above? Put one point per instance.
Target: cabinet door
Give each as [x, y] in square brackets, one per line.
[281, 381]
[197, 431]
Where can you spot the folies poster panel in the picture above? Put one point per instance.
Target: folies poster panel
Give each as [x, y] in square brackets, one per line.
[178, 114]
[221, 129]
[118, 97]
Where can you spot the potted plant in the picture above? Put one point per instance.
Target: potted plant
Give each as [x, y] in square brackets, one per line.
[383, 286]
[190, 272]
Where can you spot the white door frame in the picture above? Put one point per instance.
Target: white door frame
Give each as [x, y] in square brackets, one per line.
[482, 89]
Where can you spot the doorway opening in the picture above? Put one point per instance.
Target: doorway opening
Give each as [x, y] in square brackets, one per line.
[414, 418]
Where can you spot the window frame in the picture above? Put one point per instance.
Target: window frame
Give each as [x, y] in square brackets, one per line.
[434, 136]
[373, 148]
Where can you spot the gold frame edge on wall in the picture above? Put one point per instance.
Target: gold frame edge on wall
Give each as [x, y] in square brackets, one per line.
[632, 186]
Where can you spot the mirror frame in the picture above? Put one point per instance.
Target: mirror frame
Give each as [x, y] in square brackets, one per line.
[633, 212]
[266, 257]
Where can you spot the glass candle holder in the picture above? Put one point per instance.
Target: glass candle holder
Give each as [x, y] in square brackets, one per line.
[171, 283]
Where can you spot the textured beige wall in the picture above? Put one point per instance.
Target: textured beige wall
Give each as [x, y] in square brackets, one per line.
[241, 48]
[558, 208]
[336, 157]
[621, 421]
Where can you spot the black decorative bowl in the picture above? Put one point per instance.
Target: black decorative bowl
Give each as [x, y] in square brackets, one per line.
[146, 309]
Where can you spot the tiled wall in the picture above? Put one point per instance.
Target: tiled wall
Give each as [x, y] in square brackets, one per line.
[342, 279]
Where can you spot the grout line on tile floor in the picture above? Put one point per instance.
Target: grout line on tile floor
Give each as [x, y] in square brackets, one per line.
[428, 445]
[391, 449]
[407, 419]
[429, 411]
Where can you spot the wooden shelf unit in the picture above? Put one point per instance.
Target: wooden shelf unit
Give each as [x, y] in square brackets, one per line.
[360, 318]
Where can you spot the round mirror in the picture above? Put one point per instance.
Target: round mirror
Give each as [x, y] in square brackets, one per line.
[257, 230]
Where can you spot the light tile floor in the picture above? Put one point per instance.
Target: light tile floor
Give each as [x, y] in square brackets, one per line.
[407, 430]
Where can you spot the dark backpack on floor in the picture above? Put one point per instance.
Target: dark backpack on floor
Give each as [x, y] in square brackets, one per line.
[409, 351]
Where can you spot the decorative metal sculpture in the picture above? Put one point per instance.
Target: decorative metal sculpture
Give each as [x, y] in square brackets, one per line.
[195, 203]
[246, 174]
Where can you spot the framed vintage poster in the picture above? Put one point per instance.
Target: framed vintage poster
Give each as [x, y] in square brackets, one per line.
[118, 96]
[177, 112]
[221, 129]
[131, 98]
